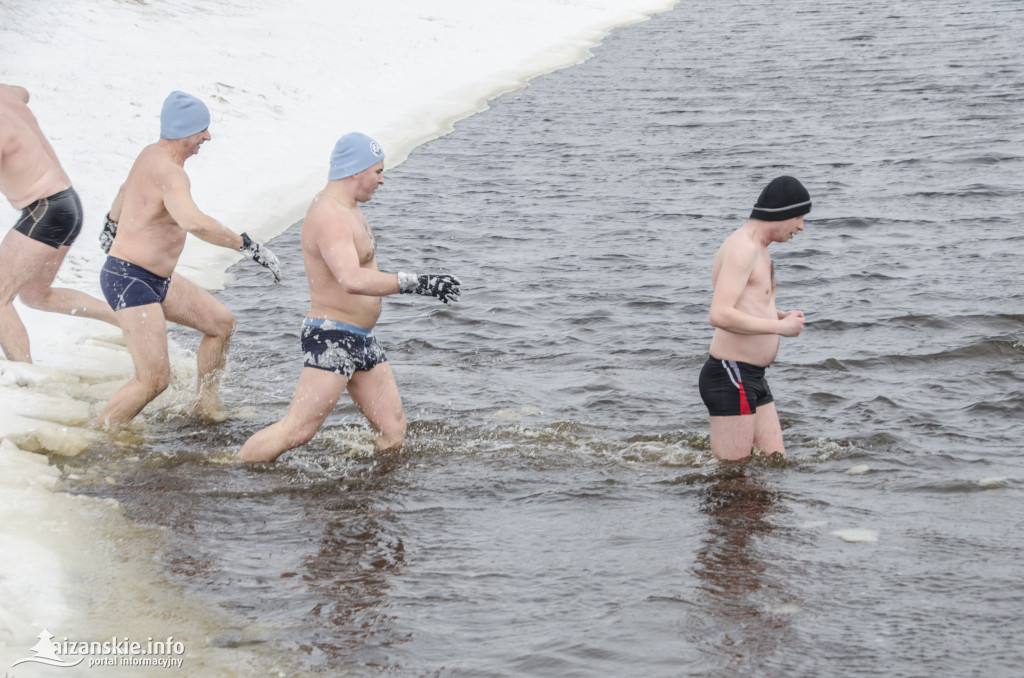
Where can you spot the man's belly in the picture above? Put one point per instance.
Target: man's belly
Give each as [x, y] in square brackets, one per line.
[362, 312]
[756, 349]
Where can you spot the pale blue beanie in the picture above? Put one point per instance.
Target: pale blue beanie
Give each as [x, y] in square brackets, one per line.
[182, 116]
[353, 153]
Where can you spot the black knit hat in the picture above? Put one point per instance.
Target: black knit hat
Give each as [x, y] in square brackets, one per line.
[783, 198]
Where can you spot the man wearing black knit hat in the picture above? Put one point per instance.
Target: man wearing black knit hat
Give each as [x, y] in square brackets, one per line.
[748, 326]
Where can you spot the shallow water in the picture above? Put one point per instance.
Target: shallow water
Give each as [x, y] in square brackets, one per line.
[556, 511]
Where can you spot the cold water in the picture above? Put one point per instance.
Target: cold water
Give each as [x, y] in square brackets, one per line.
[556, 510]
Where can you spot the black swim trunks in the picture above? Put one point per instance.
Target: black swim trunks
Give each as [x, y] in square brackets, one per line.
[340, 347]
[53, 221]
[126, 285]
[729, 387]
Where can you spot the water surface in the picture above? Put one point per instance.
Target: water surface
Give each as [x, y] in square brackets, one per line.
[556, 510]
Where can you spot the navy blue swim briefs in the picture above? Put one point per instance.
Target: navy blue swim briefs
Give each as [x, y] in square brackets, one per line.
[340, 347]
[126, 285]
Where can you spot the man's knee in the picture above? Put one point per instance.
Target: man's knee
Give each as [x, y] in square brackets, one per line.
[302, 422]
[35, 297]
[301, 436]
[8, 290]
[392, 432]
[155, 382]
[301, 431]
[223, 324]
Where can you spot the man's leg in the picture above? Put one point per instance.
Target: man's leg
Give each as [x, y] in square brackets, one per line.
[733, 437]
[145, 335]
[13, 336]
[38, 293]
[768, 430]
[315, 396]
[190, 305]
[375, 393]
[21, 258]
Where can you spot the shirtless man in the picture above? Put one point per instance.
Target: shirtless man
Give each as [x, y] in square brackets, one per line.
[34, 182]
[339, 251]
[144, 235]
[748, 326]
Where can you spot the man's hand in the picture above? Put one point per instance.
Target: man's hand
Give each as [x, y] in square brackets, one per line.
[792, 323]
[108, 233]
[261, 255]
[441, 285]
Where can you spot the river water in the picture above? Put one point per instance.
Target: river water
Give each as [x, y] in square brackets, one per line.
[556, 510]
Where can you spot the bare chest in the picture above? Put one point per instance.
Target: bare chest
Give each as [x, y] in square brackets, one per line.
[761, 284]
[366, 244]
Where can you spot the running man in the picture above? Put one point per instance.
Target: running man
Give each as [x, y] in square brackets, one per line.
[144, 236]
[339, 251]
[32, 179]
[748, 326]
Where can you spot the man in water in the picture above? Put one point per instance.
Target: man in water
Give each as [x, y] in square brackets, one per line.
[144, 235]
[748, 326]
[339, 251]
[32, 179]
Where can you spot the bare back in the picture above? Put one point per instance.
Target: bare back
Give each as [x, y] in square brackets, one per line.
[29, 169]
[744, 280]
[147, 234]
[335, 239]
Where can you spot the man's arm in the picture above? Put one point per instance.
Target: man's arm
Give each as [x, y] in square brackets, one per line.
[178, 201]
[338, 248]
[336, 242]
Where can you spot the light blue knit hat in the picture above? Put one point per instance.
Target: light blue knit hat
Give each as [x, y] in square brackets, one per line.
[182, 116]
[353, 153]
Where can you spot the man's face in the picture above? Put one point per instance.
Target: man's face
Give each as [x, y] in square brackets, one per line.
[785, 230]
[197, 140]
[368, 180]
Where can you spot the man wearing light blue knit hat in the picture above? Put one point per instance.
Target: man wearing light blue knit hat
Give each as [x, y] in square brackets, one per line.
[144, 235]
[182, 116]
[339, 348]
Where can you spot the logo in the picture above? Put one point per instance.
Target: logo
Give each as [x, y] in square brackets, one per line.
[376, 150]
[46, 653]
[165, 653]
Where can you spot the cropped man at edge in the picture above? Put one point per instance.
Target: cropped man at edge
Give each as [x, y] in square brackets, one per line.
[33, 180]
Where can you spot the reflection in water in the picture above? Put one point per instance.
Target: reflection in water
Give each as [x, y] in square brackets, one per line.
[302, 550]
[347, 580]
[743, 621]
[347, 583]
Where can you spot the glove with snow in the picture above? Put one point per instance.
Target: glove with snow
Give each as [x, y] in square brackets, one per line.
[261, 255]
[108, 233]
[441, 285]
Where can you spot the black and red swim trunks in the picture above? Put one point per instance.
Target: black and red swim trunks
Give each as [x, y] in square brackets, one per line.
[730, 387]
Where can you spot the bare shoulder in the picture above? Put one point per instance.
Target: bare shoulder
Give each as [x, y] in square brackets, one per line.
[14, 112]
[14, 93]
[737, 254]
[328, 221]
[738, 247]
[156, 165]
